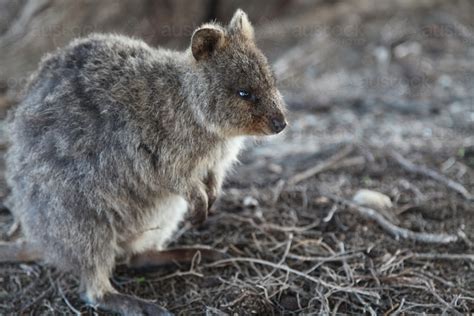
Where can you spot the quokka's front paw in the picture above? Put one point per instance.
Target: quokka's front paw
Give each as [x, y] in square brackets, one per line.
[211, 189]
[211, 197]
[199, 205]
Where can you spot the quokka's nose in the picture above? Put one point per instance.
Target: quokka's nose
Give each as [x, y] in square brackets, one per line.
[278, 125]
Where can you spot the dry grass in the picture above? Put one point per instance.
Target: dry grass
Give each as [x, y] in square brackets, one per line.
[297, 251]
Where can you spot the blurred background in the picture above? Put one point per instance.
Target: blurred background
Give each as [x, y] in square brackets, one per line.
[374, 76]
[403, 56]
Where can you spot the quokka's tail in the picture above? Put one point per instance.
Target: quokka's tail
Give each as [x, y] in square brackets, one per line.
[19, 251]
[149, 260]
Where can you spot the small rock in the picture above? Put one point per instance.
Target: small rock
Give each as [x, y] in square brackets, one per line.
[382, 55]
[275, 168]
[322, 200]
[373, 199]
[445, 81]
[250, 202]
[407, 48]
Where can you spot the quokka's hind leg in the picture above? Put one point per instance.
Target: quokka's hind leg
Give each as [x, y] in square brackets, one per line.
[98, 292]
[151, 259]
[129, 305]
[19, 251]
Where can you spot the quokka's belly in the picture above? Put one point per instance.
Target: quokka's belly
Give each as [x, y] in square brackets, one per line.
[159, 227]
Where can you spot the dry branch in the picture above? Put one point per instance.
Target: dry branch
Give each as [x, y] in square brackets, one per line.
[425, 171]
[71, 307]
[394, 230]
[443, 256]
[335, 258]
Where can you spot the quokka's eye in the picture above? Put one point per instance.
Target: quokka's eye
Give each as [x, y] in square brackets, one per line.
[246, 95]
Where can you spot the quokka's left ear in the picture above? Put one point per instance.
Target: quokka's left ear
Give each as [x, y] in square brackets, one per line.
[240, 24]
[206, 40]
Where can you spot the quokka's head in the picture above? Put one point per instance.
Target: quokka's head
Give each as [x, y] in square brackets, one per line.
[243, 97]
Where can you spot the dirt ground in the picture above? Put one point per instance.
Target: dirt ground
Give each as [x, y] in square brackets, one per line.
[363, 83]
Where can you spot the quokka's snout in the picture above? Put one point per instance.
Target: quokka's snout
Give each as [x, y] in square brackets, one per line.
[275, 117]
[278, 123]
[265, 119]
[269, 123]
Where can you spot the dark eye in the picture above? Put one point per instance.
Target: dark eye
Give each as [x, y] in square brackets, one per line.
[244, 94]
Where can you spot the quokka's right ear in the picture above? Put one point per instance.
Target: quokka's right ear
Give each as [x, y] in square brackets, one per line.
[206, 40]
[240, 24]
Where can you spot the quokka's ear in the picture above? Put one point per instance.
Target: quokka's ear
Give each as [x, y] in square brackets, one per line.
[206, 40]
[240, 24]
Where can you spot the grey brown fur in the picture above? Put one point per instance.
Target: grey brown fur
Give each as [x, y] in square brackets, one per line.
[114, 137]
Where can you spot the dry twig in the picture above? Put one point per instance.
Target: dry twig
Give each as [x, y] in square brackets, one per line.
[423, 170]
[443, 256]
[336, 258]
[71, 307]
[394, 230]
